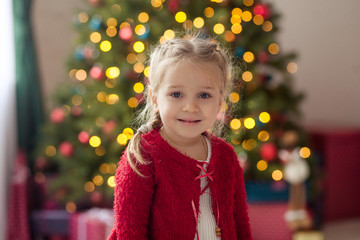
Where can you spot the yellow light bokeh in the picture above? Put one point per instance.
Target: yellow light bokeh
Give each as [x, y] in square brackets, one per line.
[249, 123]
[235, 124]
[236, 11]
[141, 57]
[263, 136]
[267, 26]
[180, 17]
[111, 22]
[264, 117]
[261, 165]
[133, 102]
[111, 99]
[112, 72]
[209, 12]
[236, 28]
[248, 3]
[100, 151]
[122, 139]
[139, 67]
[199, 22]
[169, 34]
[249, 144]
[111, 181]
[143, 17]
[247, 76]
[140, 30]
[305, 152]
[292, 67]
[129, 133]
[138, 87]
[89, 187]
[273, 48]
[95, 141]
[112, 168]
[219, 28]
[105, 46]
[147, 71]
[98, 180]
[229, 36]
[277, 175]
[235, 19]
[95, 37]
[234, 97]
[76, 100]
[139, 46]
[258, 19]
[70, 207]
[50, 151]
[246, 16]
[156, 3]
[131, 58]
[249, 57]
[104, 168]
[81, 75]
[83, 17]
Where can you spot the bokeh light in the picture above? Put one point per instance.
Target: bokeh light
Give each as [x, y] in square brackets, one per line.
[180, 17]
[277, 175]
[292, 67]
[143, 17]
[305, 152]
[209, 12]
[235, 124]
[264, 117]
[234, 97]
[199, 22]
[138, 87]
[95, 141]
[139, 46]
[263, 135]
[105, 46]
[247, 76]
[261, 165]
[249, 123]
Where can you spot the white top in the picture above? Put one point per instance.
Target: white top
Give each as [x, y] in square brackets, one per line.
[207, 223]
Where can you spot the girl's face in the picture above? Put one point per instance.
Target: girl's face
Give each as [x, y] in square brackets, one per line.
[188, 100]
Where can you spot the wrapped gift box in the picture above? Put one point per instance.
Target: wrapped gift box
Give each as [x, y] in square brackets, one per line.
[93, 224]
[267, 220]
[338, 152]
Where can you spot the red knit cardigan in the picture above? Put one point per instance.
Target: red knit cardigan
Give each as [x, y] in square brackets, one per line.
[160, 205]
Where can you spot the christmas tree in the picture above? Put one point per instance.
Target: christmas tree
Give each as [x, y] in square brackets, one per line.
[90, 123]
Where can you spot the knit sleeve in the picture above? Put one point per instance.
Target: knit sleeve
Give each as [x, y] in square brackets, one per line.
[243, 230]
[133, 198]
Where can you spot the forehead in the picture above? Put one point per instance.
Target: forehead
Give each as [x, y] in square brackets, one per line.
[192, 73]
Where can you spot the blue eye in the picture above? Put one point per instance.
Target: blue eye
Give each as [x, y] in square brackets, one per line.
[175, 94]
[205, 95]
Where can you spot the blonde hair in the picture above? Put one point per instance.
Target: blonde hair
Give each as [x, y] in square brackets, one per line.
[197, 48]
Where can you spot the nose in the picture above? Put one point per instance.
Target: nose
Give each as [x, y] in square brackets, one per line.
[190, 106]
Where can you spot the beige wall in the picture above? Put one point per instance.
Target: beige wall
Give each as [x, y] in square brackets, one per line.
[325, 34]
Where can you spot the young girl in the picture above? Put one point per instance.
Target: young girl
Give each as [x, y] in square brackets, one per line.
[176, 180]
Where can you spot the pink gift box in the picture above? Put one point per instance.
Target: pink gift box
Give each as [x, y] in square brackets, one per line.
[267, 221]
[94, 224]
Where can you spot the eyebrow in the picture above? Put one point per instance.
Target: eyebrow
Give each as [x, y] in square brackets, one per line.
[180, 86]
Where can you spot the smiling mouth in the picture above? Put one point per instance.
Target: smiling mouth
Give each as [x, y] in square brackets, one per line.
[189, 121]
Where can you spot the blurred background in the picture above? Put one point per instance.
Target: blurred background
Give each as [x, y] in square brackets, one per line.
[302, 98]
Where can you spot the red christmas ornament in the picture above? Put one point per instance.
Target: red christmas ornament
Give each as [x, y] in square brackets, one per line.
[95, 197]
[76, 111]
[97, 73]
[57, 115]
[109, 126]
[125, 33]
[268, 151]
[261, 9]
[83, 137]
[66, 149]
[263, 57]
[173, 6]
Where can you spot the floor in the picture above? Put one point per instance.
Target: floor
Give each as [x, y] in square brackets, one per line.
[343, 230]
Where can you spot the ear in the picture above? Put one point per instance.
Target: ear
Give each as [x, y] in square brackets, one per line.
[153, 98]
